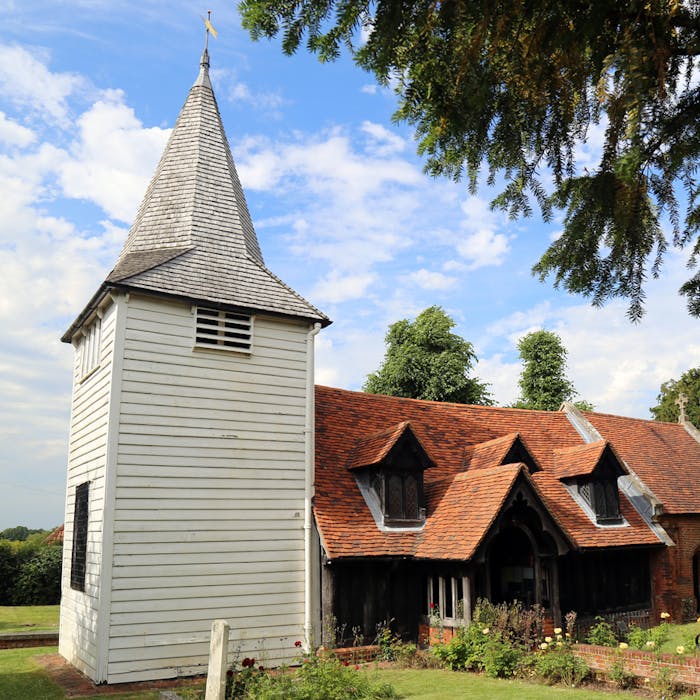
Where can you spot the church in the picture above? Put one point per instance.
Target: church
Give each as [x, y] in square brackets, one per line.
[208, 477]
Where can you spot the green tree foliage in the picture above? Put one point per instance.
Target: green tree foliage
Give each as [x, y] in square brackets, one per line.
[667, 409]
[543, 382]
[30, 571]
[425, 360]
[19, 533]
[39, 578]
[510, 88]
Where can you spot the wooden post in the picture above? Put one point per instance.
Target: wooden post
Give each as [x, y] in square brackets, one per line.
[467, 593]
[218, 654]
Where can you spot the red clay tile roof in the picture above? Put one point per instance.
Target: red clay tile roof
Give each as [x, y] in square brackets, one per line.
[663, 455]
[494, 452]
[370, 450]
[449, 434]
[581, 460]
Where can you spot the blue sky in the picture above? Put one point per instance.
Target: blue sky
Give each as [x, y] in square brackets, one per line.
[88, 93]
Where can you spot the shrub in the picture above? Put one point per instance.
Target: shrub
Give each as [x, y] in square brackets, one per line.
[620, 676]
[602, 633]
[39, 579]
[318, 678]
[465, 651]
[557, 664]
[514, 622]
[502, 657]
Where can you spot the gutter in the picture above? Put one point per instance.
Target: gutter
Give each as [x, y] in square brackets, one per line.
[309, 471]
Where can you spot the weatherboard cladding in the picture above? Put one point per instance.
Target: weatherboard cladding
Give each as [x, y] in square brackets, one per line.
[461, 501]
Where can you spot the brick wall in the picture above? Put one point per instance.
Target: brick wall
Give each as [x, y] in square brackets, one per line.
[357, 655]
[643, 664]
[28, 639]
[672, 570]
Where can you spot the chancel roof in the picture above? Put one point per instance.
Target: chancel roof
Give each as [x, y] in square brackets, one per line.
[469, 483]
[193, 236]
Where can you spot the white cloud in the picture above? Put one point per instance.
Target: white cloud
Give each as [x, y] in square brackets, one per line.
[432, 280]
[336, 287]
[239, 93]
[13, 134]
[483, 247]
[370, 89]
[26, 82]
[113, 158]
[383, 141]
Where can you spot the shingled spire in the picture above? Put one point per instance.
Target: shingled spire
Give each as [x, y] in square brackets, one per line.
[193, 236]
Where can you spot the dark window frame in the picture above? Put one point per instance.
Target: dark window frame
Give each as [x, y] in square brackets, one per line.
[81, 511]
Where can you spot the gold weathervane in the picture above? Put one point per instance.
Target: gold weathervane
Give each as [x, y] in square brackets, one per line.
[210, 29]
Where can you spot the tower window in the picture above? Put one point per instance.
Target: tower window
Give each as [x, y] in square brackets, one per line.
[224, 330]
[90, 349]
[80, 533]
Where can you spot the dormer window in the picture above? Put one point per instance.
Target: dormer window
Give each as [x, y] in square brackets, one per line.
[389, 469]
[590, 472]
[603, 498]
[400, 495]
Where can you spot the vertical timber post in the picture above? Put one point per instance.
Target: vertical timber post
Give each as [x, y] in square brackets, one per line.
[218, 653]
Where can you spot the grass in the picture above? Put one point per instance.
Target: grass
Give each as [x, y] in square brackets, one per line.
[451, 685]
[22, 677]
[681, 635]
[28, 618]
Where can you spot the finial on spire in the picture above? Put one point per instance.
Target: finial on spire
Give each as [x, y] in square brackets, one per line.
[681, 401]
[203, 77]
[209, 30]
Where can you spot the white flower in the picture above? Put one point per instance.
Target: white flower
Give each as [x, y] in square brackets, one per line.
[665, 615]
[486, 630]
[557, 630]
[544, 645]
[651, 643]
[624, 645]
[548, 639]
[680, 649]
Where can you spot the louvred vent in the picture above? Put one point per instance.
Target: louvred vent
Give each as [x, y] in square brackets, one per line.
[224, 330]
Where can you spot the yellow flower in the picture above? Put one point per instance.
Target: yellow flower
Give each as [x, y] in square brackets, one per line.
[665, 615]
[486, 630]
[651, 643]
[698, 619]
[557, 630]
[544, 645]
[624, 645]
[548, 639]
[680, 649]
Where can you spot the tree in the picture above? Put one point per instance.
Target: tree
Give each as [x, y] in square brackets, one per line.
[667, 409]
[425, 360]
[543, 381]
[514, 86]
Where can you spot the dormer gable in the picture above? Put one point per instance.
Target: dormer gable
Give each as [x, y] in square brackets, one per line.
[508, 449]
[389, 467]
[591, 472]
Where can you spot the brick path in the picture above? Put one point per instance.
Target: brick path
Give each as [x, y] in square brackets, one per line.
[75, 685]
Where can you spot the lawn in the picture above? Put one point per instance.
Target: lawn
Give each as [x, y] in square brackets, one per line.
[681, 635]
[448, 685]
[28, 618]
